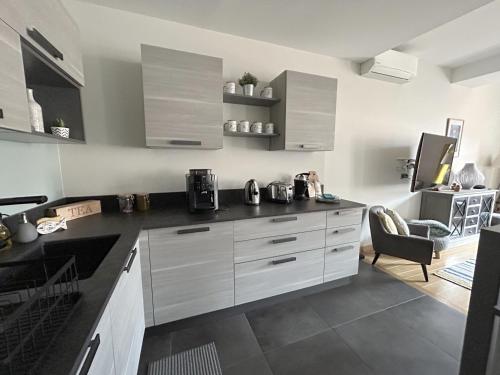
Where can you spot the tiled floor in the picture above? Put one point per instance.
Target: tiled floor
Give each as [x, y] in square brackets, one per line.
[375, 325]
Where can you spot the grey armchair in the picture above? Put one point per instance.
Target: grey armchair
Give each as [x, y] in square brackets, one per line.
[417, 247]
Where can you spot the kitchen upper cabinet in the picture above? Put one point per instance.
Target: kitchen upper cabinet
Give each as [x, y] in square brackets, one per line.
[305, 117]
[47, 26]
[13, 100]
[182, 99]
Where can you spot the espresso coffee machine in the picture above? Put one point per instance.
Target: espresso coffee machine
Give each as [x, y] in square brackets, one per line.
[301, 186]
[201, 190]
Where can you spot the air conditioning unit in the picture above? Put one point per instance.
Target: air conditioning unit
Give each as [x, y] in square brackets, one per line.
[391, 66]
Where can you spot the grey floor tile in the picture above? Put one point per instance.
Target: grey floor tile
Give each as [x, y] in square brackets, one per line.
[233, 338]
[253, 366]
[370, 292]
[440, 324]
[285, 323]
[323, 354]
[154, 347]
[390, 347]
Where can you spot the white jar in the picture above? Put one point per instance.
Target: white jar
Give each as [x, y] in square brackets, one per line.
[230, 125]
[244, 126]
[269, 128]
[256, 127]
[230, 87]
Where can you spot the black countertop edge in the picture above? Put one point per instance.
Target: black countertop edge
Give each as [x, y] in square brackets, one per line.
[168, 210]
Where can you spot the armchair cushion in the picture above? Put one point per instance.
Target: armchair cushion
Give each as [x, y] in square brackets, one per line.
[437, 229]
[419, 230]
[401, 225]
[387, 223]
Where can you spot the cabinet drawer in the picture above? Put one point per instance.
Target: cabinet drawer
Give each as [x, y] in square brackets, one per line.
[278, 225]
[470, 231]
[473, 211]
[341, 218]
[268, 277]
[267, 247]
[471, 221]
[474, 200]
[341, 235]
[192, 270]
[341, 261]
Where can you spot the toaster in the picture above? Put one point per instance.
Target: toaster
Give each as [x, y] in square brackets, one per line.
[280, 192]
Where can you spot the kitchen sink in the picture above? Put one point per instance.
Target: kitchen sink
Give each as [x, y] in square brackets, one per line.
[88, 252]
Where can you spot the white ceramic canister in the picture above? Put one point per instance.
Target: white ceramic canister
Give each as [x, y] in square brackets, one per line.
[230, 87]
[244, 126]
[269, 128]
[230, 125]
[256, 127]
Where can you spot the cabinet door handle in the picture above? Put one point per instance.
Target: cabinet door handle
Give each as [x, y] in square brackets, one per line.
[342, 231]
[345, 212]
[284, 260]
[309, 146]
[193, 230]
[38, 37]
[128, 267]
[181, 142]
[94, 345]
[282, 240]
[342, 248]
[1, 113]
[284, 219]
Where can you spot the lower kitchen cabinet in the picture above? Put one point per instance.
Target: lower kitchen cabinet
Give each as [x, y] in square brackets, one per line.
[272, 276]
[99, 359]
[192, 270]
[341, 261]
[116, 344]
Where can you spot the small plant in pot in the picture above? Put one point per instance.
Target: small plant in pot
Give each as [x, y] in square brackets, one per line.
[248, 82]
[59, 128]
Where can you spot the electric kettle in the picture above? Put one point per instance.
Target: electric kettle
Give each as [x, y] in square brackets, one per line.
[252, 193]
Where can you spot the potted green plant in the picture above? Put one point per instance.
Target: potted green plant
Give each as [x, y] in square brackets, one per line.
[59, 128]
[248, 82]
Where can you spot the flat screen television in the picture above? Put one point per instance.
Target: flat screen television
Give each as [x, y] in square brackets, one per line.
[434, 161]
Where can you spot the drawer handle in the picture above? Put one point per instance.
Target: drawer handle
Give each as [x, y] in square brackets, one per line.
[94, 345]
[284, 219]
[193, 230]
[345, 212]
[342, 248]
[282, 240]
[38, 37]
[309, 146]
[342, 231]
[284, 260]
[128, 267]
[181, 142]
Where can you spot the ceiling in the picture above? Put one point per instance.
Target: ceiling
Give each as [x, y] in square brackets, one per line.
[352, 29]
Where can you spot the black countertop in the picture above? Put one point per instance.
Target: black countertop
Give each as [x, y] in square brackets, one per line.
[70, 348]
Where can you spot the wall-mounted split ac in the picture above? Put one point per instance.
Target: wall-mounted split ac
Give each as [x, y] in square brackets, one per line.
[391, 66]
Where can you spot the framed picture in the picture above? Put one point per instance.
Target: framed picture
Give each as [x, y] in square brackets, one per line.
[455, 129]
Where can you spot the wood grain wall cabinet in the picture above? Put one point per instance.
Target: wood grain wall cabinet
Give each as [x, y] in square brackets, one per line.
[14, 113]
[192, 273]
[305, 117]
[182, 99]
[48, 27]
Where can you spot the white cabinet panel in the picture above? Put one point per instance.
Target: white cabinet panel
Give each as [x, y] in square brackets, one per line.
[272, 276]
[192, 270]
[267, 247]
[278, 225]
[49, 28]
[341, 261]
[13, 100]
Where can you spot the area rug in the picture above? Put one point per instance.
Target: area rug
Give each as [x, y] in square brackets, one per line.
[460, 274]
[202, 360]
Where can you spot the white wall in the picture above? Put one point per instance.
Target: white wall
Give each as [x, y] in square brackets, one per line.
[29, 169]
[376, 121]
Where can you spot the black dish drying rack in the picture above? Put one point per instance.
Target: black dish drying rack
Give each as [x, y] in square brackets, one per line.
[37, 298]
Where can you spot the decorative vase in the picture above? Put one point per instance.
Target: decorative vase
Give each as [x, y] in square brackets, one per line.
[60, 131]
[469, 176]
[35, 112]
[248, 89]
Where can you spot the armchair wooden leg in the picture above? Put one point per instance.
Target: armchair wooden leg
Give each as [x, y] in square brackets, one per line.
[424, 269]
[376, 258]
